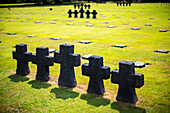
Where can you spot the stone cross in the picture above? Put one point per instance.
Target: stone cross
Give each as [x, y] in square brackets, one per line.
[75, 6]
[130, 4]
[43, 61]
[88, 6]
[128, 80]
[82, 5]
[85, 6]
[22, 57]
[81, 13]
[117, 4]
[67, 59]
[94, 14]
[78, 6]
[75, 14]
[123, 3]
[97, 72]
[88, 14]
[69, 13]
[120, 4]
[127, 4]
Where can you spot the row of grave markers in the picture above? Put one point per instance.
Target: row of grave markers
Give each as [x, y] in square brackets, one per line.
[125, 76]
[82, 13]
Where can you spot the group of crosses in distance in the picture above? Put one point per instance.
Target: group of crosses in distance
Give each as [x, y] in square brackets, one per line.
[125, 76]
[81, 11]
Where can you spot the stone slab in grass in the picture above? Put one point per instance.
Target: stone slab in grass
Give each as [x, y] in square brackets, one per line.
[23, 21]
[168, 18]
[89, 25]
[162, 51]
[52, 22]
[151, 18]
[58, 38]
[86, 57]
[139, 64]
[111, 26]
[133, 17]
[118, 17]
[135, 28]
[70, 24]
[31, 36]
[163, 30]
[148, 25]
[11, 20]
[105, 22]
[11, 33]
[0, 41]
[87, 21]
[52, 50]
[125, 23]
[37, 22]
[119, 46]
[85, 42]
[55, 20]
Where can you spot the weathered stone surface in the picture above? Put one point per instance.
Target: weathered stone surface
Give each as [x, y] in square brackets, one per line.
[31, 36]
[128, 80]
[67, 59]
[148, 25]
[111, 26]
[70, 24]
[58, 38]
[163, 30]
[89, 25]
[11, 33]
[22, 57]
[120, 45]
[135, 28]
[97, 72]
[139, 64]
[52, 50]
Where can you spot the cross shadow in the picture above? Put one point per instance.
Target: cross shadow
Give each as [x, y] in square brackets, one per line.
[64, 93]
[95, 100]
[39, 84]
[126, 108]
[17, 78]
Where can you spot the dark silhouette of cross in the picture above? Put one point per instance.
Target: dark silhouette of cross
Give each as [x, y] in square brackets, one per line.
[94, 14]
[67, 59]
[22, 57]
[88, 14]
[43, 61]
[128, 80]
[97, 72]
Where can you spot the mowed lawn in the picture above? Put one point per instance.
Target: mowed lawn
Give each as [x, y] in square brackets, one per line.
[24, 94]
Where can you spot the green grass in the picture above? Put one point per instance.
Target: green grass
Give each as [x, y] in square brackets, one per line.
[24, 94]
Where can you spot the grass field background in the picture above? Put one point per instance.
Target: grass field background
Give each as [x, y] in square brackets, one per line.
[24, 94]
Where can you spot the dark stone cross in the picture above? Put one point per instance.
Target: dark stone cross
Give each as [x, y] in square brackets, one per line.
[78, 6]
[123, 3]
[120, 4]
[85, 6]
[75, 6]
[88, 14]
[43, 61]
[75, 14]
[88, 6]
[82, 5]
[128, 80]
[127, 4]
[130, 4]
[97, 72]
[117, 4]
[22, 57]
[94, 14]
[69, 13]
[68, 60]
[81, 13]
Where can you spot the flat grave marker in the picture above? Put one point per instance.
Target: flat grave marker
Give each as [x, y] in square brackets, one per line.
[89, 25]
[139, 64]
[119, 46]
[31, 36]
[163, 30]
[11, 33]
[58, 38]
[162, 51]
[135, 28]
[85, 42]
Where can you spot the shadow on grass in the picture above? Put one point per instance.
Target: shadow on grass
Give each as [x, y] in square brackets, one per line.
[64, 93]
[95, 100]
[17, 78]
[39, 84]
[126, 108]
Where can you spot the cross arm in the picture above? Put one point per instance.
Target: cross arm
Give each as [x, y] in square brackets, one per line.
[14, 54]
[34, 59]
[137, 80]
[105, 72]
[115, 78]
[28, 56]
[75, 60]
[49, 60]
[57, 58]
[85, 69]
